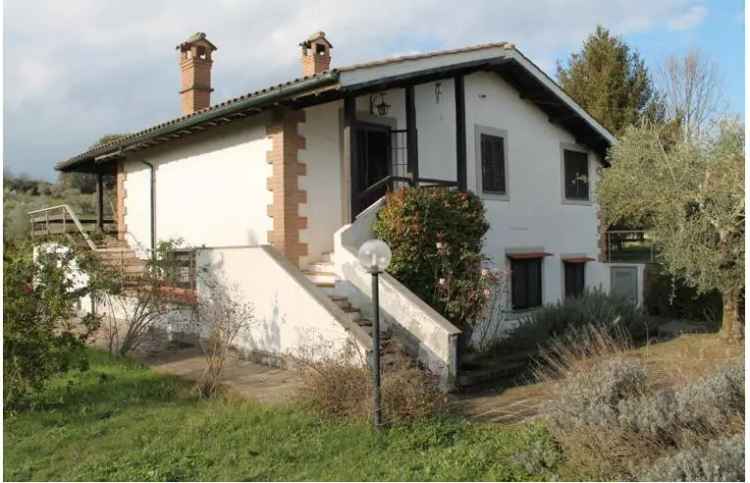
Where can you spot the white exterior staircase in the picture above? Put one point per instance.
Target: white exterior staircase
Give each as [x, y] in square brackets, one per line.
[323, 274]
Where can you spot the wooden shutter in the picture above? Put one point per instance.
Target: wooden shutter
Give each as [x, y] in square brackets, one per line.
[493, 164]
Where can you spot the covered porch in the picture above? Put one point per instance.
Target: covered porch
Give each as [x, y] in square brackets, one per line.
[64, 219]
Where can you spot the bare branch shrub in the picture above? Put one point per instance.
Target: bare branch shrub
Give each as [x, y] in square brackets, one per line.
[110, 322]
[221, 316]
[486, 330]
[131, 313]
[693, 91]
[339, 384]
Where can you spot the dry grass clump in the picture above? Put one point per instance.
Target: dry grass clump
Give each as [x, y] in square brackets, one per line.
[340, 385]
[611, 421]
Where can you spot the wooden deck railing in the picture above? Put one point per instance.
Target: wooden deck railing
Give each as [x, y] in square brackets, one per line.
[61, 220]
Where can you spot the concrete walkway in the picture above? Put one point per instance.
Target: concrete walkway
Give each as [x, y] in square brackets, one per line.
[268, 385]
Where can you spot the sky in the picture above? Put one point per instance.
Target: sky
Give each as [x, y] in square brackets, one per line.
[75, 70]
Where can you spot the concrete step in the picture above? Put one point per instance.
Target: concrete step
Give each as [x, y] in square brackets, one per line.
[123, 261]
[490, 373]
[135, 269]
[327, 288]
[342, 302]
[384, 335]
[323, 267]
[108, 250]
[131, 259]
[114, 244]
[318, 278]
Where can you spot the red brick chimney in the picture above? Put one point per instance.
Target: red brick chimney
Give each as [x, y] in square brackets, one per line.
[316, 54]
[195, 64]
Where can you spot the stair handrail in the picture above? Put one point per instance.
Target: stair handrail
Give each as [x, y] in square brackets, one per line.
[65, 207]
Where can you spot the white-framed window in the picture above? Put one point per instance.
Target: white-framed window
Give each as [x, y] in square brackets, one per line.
[576, 179]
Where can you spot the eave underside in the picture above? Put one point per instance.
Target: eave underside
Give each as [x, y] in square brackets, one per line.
[528, 86]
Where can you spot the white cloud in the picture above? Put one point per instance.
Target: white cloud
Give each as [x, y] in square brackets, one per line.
[78, 69]
[689, 19]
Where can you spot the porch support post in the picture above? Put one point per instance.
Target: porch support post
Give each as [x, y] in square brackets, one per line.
[412, 155]
[458, 82]
[99, 202]
[350, 156]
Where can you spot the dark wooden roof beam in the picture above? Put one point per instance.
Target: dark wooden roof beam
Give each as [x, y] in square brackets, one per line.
[557, 119]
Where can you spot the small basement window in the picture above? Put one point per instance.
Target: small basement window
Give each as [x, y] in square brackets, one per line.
[576, 175]
[526, 282]
[575, 278]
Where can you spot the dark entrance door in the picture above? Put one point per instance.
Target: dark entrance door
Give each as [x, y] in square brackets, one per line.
[373, 158]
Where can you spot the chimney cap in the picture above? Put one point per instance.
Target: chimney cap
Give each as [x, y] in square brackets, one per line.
[319, 35]
[196, 38]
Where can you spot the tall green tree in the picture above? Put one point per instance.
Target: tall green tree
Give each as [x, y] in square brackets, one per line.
[691, 193]
[610, 81]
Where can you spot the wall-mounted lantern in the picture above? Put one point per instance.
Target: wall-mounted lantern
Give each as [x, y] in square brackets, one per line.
[380, 108]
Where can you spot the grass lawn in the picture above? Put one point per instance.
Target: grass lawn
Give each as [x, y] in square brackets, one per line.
[121, 421]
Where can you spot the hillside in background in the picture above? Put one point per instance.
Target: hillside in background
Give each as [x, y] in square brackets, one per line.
[22, 194]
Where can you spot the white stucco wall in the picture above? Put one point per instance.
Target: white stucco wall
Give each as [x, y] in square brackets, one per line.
[138, 207]
[534, 215]
[324, 179]
[435, 107]
[292, 317]
[210, 189]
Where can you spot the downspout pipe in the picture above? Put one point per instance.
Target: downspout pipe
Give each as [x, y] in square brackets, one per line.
[153, 206]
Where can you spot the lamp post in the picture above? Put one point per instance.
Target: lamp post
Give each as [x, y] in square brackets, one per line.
[375, 255]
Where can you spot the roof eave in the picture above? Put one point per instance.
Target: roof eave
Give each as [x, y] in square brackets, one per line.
[261, 99]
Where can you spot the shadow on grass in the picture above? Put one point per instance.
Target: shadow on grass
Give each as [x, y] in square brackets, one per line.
[111, 384]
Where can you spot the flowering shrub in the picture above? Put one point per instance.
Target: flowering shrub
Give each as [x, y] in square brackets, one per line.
[436, 236]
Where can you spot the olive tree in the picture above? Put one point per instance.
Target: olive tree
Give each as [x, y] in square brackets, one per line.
[691, 193]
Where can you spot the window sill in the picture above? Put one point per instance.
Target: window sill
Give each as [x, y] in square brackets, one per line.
[495, 196]
[577, 202]
[523, 312]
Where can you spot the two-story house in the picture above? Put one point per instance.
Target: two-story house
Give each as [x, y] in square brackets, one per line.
[281, 185]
